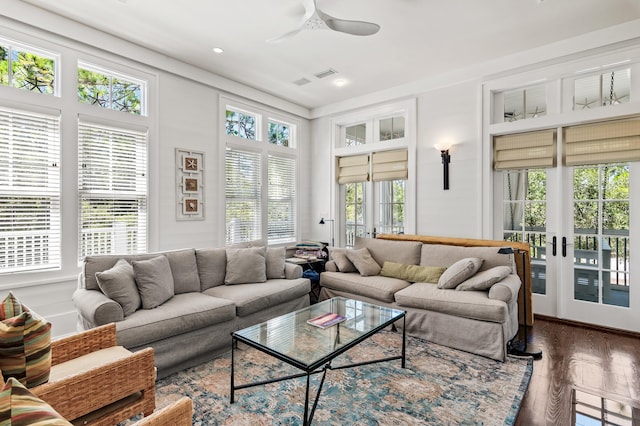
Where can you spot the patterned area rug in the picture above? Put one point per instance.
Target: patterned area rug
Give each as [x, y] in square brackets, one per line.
[439, 386]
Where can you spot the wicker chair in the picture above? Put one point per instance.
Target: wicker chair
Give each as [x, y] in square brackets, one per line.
[95, 382]
[180, 413]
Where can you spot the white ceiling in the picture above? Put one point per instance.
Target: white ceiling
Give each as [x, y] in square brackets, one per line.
[418, 39]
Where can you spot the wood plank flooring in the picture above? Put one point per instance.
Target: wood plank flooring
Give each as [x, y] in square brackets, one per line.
[596, 361]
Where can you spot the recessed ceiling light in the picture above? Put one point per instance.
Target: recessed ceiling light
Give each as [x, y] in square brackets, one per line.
[340, 82]
[218, 49]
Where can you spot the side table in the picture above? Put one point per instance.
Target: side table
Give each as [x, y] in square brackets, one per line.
[316, 265]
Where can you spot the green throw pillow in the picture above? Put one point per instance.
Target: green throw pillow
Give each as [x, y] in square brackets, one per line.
[412, 273]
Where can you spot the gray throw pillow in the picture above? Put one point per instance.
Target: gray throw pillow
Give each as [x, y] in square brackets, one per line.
[275, 259]
[154, 281]
[483, 280]
[119, 284]
[459, 271]
[339, 256]
[212, 264]
[364, 263]
[246, 265]
[184, 270]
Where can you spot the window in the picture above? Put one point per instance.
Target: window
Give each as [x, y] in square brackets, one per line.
[243, 194]
[112, 182]
[110, 90]
[261, 166]
[610, 88]
[355, 135]
[25, 69]
[355, 211]
[29, 191]
[391, 195]
[520, 104]
[392, 128]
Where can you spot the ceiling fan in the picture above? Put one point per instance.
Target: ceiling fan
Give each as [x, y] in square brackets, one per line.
[315, 19]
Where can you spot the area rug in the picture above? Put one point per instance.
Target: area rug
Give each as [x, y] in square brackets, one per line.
[439, 386]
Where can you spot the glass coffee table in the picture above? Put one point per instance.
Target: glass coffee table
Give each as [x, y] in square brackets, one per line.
[311, 349]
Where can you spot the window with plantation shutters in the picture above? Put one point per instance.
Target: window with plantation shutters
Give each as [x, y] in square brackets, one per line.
[112, 189]
[29, 190]
[281, 211]
[243, 194]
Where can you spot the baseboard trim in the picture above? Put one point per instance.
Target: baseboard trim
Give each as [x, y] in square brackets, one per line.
[589, 326]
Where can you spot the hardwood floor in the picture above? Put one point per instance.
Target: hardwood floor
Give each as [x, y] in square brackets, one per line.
[599, 362]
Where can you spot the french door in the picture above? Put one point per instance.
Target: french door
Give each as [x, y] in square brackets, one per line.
[579, 223]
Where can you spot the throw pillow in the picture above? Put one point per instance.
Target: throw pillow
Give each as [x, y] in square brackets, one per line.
[19, 407]
[459, 271]
[119, 284]
[25, 344]
[341, 260]
[412, 273]
[275, 262]
[211, 267]
[483, 280]
[154, 281]
[184, 270]
[363, 262]
[246, 265]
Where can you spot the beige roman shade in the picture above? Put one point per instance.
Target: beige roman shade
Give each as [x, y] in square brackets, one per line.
[608, 142]
[354, 168]
[390, 165]
[525, 150]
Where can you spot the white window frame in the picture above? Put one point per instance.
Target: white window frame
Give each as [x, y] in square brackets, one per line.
[16, 45]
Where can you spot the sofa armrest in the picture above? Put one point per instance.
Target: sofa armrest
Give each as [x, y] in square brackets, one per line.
[82, 343]
[96, 308]
[331, 266]
[292, 271]
[506, 290]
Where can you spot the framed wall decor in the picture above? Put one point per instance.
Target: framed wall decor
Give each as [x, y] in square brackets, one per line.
[189, 184]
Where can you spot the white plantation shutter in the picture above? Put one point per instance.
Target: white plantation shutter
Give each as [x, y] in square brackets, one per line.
[112, 184]
[243, 194]
[29, 190]
[281, 210]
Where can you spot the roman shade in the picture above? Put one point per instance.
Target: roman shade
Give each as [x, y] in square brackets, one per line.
[390, 165]
[525, 150]
[607, 142]
[354, 168]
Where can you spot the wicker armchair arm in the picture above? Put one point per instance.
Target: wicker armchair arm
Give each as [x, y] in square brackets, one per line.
[83, 343]
[180, 413]
[83, 393]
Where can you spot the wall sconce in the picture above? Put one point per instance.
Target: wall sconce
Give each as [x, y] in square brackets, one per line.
[322, 222]
[446, 159]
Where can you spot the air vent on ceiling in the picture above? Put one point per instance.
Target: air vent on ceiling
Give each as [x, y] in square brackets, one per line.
[327, 73]
[302, 82]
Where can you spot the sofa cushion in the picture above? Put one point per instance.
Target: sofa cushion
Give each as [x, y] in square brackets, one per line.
[377, 287]
[458, 272]
[212, 266]
[466, 304]
[446, 255]
[119, 284]
[180, 314]
[245, 265]
[19, 407]
[251, 298]
[275, 262]
[483, 280]
[184, 270]
[99, 263]
[364, 263]
[154, 281]
[407, 252]
[412, 273]
[339, 256]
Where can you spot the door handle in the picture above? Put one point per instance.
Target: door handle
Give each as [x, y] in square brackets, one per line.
[554, 244]
[564, 246]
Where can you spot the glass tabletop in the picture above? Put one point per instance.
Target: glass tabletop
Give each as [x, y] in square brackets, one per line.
[290, 338]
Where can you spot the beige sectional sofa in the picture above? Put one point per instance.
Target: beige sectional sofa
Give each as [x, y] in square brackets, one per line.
[481, 321]
[185, 303]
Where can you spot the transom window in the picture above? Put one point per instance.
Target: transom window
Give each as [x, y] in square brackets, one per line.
[110, 90]
[27, 69]
[279, 133]
[241, 124]
[605, 89]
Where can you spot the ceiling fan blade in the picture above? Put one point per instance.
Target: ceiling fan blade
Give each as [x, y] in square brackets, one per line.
[359, 28]
[286, 35]
[310, 10]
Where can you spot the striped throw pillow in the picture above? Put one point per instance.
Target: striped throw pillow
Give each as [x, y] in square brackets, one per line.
[25, 344]
[19, 407]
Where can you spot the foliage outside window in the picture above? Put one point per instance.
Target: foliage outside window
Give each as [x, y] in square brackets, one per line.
[112, 182]
[610, 88]
[279, 134]
[26, 70]
[29, 191]
[109, 90]
[240, 124]
[354, 209]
